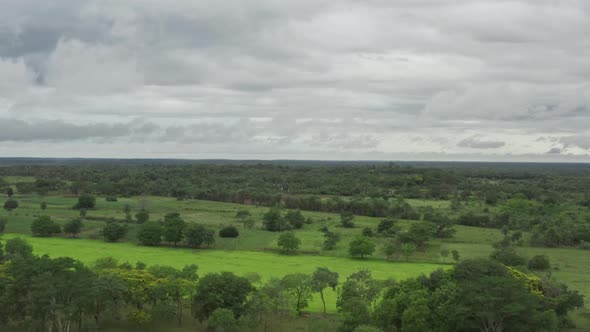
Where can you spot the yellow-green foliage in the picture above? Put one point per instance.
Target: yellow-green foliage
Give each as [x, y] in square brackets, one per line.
[532, 282]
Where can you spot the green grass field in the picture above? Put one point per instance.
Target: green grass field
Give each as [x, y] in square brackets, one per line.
[243, 255]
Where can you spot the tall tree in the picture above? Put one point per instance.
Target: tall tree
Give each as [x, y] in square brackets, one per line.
[321, 279]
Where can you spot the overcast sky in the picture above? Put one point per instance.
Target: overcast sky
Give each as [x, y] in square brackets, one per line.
[296, 79]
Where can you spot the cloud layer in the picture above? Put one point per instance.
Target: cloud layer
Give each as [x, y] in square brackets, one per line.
[420, 79]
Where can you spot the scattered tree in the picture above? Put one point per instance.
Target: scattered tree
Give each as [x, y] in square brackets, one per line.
[295, 218]
[361, 246]
[113, 232]
[229, 232]
[3, 222]
[288, 242]
[9, 192]
[222, 290]
[73, 227]
[43, 226]
[142, 216]
[347, 220]
[10, 205]
[299, 284]
[150, 234]
[197, 235]
[222, 320]
[86, 201]
[408, 249]
[321, 279]
[43, 205]
[273, 220]
[173, 228]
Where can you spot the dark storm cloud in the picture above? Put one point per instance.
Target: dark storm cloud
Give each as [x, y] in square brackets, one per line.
[296, 76]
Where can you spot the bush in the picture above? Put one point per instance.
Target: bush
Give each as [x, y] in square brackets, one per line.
[44, 226]
[539, 262]
[229, 232]
[85, 201]
[113, 232]
[368, 231]
[111, 199]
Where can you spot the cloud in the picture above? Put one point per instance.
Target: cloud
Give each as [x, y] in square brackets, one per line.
[297, 79]
[476, 143]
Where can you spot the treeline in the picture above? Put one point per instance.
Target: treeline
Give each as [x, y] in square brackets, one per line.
[261, 183]
[62, 294]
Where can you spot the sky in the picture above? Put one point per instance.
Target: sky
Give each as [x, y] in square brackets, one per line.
[490, 80]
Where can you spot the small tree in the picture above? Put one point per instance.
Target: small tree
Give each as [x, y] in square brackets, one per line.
[361, 246]
[243, 214]
[229, 232]
[86, 201]
[43, 205]
[9, 192]
[3, 222]
[330, 240]
[10, 205]
[368, 231]
[408, 249]
[44, 226]
[274, 221]
[113, 232]
[223, 320]
[150, 234]
[295, 218]
[288, 242]
[444, 253]
[539, 262]
[321, 279]
[142, 216]
[299, 285]
[347, 220]
[197, 235]
[455, 255]
[173, 228]
[83, 213]
[73, 227]
[249, 223]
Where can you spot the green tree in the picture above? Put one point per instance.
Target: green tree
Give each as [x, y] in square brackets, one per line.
[455, 255]
[150, 234]
[288, 242]
[10, 205]
[243, 214]
[408, 249]
[347, 220]
[197, 235]
[3, 222]
[361, 246]
[73, 227]
[17, 247]
[273, 221]
[220, 290]
[9, 192]
[43, 226]
[86, 201]
[222, 320]
[113, 232]
[174, 227]
[355, 299]
[142, 216]
[43, 205]
[295, 218]
[321, 279]
[299, 285]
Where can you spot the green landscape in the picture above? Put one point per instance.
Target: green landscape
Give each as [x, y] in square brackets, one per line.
[416, 236]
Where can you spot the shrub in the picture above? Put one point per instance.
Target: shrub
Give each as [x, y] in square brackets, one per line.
[229, 232]
[85, 201]
[44, 226]
[111, 199]
[368, 231]
[539, 262]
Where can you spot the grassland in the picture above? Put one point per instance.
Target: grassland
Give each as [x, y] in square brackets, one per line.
[244, 255]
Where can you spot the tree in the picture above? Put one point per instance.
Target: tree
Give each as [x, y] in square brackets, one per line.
[295, 218]
[229, 232]
[9, 192]
[243, 214]
[73, 227]
[17, 247]
[174, 227]
[443, 225]
[321, 279]
[330, 240]
[113, 232]
[86, 201]
[10, 205]
[419, 233]
[355, 298]
[361, 246]
[274, 221]
[368, 232]
[288, 242]
[43, 205]
[220, 290]
[408, 249]
[299, 285]
[387, 227]
[150, 234]
[223, 320]
[142, 216]
[455, 255]
[197, 235]
[347, 219]
[43, 226]
[3, 222]
[83, 213]
[539, 262]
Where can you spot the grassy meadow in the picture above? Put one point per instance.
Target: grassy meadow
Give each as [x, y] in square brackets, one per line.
[246, 255]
